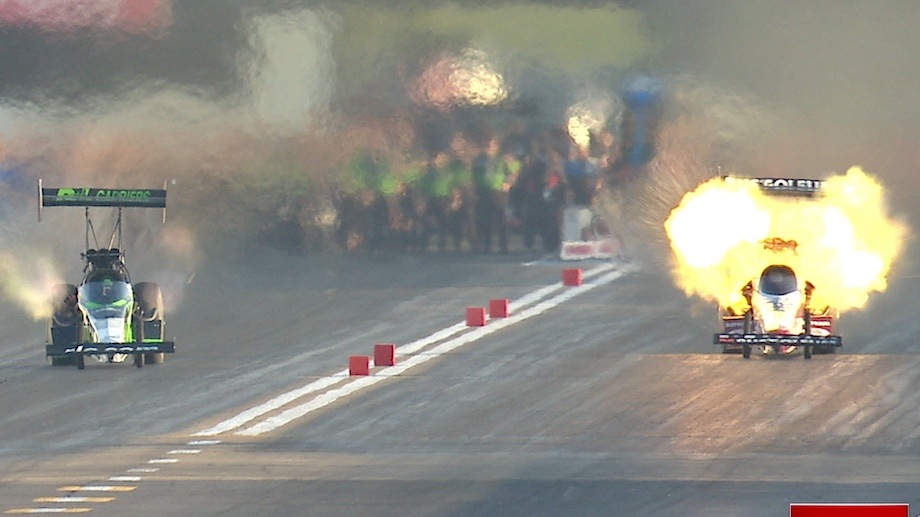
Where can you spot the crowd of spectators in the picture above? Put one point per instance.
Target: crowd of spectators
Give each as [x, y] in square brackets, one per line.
[474, 196]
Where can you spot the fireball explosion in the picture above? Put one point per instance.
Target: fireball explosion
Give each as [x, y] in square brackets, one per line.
[723, 234]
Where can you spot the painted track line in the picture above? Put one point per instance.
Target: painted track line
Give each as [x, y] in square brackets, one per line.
[97, 488]
[74, 489]
[323, 400]
[324, 383]
[74, 499]
[49, 509]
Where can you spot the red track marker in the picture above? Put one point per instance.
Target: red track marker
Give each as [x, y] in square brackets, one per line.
[359, 365]
[475, 316]
[498, 308]
[571, 277]
[384, 354]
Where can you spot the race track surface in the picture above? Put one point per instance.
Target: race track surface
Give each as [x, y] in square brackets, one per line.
[604, 399]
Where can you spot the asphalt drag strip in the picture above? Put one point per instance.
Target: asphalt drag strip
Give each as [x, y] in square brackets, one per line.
[410, 355]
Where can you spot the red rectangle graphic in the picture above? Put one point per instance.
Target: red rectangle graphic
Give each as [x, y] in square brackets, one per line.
[848, 510]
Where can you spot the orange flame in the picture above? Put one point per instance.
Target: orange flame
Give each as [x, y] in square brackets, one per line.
[724, 233]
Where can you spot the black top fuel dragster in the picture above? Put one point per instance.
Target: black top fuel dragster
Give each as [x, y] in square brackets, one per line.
[779, 317]
[106, 317]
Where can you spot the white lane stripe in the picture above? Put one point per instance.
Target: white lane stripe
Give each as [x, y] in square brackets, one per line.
[527, 299]
[284, 399]
[326, 382]
[285, 417]
[160, 461]
[415, 346]
[273, 404]
[97, 488]
[144, 469]
[73, 499]
[199, 443]
[184, 451]
[418, 344]
[125, 478]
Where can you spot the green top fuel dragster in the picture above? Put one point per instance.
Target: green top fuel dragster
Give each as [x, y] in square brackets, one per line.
[106, 317]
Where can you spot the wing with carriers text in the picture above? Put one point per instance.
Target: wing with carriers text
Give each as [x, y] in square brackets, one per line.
[88, 197]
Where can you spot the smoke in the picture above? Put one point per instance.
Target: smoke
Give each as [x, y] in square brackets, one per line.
[838, 80]
[216, 149]
[29, 284]
[706, 131]
[248, 111]
[777, 90]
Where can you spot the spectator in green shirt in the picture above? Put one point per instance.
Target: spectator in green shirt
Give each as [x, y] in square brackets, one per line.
[493, 176]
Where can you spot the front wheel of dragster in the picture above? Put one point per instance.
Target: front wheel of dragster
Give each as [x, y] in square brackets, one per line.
[806, 353]
[149, 300]
[727, 349]
[748, 325]
[137, 327]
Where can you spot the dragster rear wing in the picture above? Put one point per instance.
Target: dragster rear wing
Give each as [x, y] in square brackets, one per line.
[92, 197]
[776, 339]
[783, 186]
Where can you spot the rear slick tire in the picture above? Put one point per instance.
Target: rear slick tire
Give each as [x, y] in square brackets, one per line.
[61, 360]
[149, 299]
